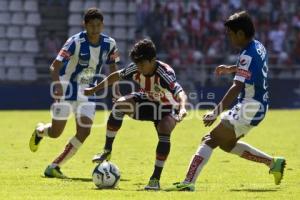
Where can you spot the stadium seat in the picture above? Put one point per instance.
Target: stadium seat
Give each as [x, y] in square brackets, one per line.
[2, 74]
[120, 20]
[106, 6]
[131, 6]
[297, 75]
[31, 5]
[119, 6]
[13, 32]
[89, 4]
[121, 46]
[76, 6]
[2, 31]
[5, 18]
[28, 32]
[74, 30]
[33, 19]
[18, 18]
[131, 20]
[120, 33]
[3, 5]
[31, 46]
[15, 5]
[108, 20]
[107, 30]
[3, 45]
[29, 74]
[14, 74]
[16, 46]
[27, 61]
[74, 20]
[131, 33]
[11, 60]
[1, 61]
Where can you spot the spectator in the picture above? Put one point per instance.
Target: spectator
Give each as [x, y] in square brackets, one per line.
[155, 25]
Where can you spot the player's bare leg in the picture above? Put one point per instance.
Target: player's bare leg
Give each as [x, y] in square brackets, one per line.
[83, 129]
[52, 130]
[225, 138]
[164, 129]
[124, 105]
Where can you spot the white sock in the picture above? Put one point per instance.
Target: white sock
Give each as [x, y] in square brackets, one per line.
[197, 163]
[43, 129]
[70, 149]
[111, 134]
[248, 152]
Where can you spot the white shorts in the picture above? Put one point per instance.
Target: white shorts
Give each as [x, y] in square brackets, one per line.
[62, 110]
[241, 116]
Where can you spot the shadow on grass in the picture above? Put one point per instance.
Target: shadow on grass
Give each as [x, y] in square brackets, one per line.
[255, 190]
[79, 179]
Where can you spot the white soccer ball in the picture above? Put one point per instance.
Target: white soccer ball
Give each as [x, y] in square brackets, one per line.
[106, 175]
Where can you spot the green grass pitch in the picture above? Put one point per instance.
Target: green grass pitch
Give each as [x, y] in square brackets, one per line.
[224, 177]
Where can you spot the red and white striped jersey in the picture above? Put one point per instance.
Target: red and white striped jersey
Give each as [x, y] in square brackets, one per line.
[161, 86]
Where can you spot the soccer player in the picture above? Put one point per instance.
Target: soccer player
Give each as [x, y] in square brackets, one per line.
[161, 100]
[77, 66]
[250, 83]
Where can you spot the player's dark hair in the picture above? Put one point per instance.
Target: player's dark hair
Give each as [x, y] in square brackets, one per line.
[241, 21]
[92, 13]
[143, 50]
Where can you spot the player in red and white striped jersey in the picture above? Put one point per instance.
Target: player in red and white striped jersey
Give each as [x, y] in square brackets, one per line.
[161, 100]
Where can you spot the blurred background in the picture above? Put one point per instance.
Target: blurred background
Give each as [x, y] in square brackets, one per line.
[189, 35]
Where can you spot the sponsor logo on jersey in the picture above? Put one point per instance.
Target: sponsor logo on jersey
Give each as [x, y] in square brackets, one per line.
[65, 54]
[244, 73]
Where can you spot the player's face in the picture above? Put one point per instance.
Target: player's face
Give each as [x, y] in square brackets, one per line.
[232, 37]
[94, 27]
[146, 67]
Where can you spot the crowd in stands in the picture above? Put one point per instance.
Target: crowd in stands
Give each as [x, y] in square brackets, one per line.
[192, 31]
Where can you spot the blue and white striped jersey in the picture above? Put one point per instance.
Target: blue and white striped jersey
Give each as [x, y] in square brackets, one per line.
[83, 61]
[253, 71]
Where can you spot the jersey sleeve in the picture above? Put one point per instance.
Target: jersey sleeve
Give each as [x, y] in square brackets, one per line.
[244, 72]
[113, 55]
[169, 82]
[67, 50]
[127, 72]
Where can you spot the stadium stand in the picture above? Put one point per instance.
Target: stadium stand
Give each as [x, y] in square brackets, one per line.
[19, 20]
[119, 20]
[188, 34]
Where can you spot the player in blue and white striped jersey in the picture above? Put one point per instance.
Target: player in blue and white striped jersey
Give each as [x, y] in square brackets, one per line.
[77, 66]
[250, 83]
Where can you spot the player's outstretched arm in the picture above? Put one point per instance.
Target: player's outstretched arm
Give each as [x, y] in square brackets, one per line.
[108, 81]
[225, 69]
[230, 96]
[54, 72]
[182, 105]
[113, 68]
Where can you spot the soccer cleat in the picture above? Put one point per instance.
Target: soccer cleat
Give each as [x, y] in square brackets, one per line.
[35, 139]
[99, 158]
[181, 186]
[54, 172]
[153, 184]
[278, 169]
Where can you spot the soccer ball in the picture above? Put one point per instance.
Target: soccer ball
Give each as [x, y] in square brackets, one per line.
[106, 175]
